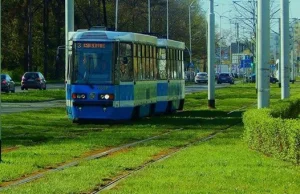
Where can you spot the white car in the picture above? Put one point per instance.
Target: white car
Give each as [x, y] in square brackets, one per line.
[201, 77]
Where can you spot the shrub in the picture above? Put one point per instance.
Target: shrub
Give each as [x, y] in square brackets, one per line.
[274, 131]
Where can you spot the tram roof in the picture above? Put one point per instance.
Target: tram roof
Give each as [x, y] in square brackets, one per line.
[97, 35]
[170, 43]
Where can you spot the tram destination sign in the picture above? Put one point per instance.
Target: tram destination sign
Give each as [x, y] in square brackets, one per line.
[91, 45]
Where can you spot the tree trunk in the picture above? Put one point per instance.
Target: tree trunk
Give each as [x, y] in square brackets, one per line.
[45, 29]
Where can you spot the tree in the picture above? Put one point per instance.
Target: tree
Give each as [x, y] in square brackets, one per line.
[247, 18]
[34, 30]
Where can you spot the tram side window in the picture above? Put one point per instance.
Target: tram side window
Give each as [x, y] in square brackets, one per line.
[147, 62]
[140, 68]
[73, 67]
[179, 64]
[155, 72]
[169, 64]
[162, 66]
[135, 62]
[125, 61]
[175, 63]
[151, 62]
[173, 67]
[143, 62]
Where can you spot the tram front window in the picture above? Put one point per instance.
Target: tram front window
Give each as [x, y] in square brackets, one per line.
[92, 66]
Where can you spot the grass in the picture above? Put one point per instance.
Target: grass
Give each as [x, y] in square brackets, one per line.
[34, 96]
[221, 165]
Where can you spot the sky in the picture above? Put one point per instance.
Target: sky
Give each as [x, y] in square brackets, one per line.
[224, 7]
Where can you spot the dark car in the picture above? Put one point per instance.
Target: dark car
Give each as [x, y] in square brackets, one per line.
[225, 78]
[33, 80]
[252, 79]
[7, 84]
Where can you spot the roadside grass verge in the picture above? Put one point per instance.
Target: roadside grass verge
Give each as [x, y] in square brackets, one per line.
[45, 139]
[34, 96]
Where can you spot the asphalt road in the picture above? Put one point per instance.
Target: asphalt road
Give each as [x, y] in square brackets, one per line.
[201, 87]
[20, 107]
[49, 86]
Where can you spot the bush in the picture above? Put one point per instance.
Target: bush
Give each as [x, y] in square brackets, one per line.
[273, 131]
[16, 74]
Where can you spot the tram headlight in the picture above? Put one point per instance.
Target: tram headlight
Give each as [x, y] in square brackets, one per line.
[106, 97]
[78, 96]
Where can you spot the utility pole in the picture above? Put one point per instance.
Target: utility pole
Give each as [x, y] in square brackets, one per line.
[190, 32]
[285, 75]
[69, 25]
[211, 56]
[116, 16]
[263, 53]
[0, 88]
[149, 17]
[167, 19]
[279, 62]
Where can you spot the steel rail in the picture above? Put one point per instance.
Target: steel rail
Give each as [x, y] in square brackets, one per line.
[120, 178]
[35, 176]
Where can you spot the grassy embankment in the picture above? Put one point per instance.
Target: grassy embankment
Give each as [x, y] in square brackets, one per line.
[37, 141]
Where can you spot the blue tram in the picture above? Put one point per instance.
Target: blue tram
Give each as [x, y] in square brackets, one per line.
[122, 75]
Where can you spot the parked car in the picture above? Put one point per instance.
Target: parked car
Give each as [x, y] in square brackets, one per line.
[7, 84]
[225, 78]
[252, 79]
[33, 80]
[201, 77]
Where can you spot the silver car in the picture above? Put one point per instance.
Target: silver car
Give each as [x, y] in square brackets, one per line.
[201, 77]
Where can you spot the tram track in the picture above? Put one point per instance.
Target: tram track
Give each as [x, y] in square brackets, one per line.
[43, 172]
[162, 157]
[171, 151]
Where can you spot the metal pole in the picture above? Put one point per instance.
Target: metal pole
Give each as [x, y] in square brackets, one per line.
[0, 90]
[149, 17]
[293, 55]
[220, 40]
[167, 19]
[211, 56]
[279, 62]
[285, 76]
[116, 16]
[263, 53]
[238, 37]
[69, 25]
[190, 32]
[292, 63]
